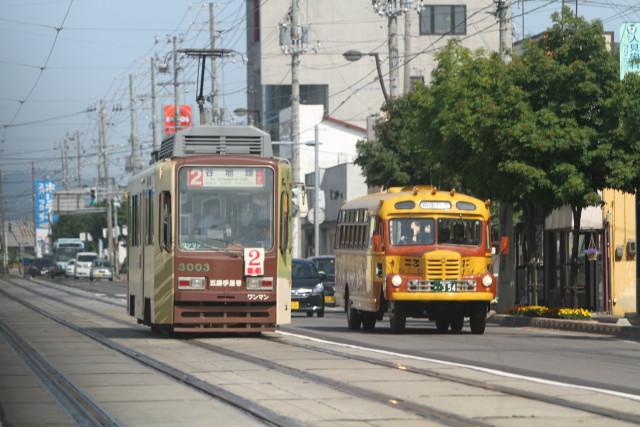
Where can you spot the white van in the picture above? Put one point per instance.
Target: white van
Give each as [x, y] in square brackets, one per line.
[83, 263]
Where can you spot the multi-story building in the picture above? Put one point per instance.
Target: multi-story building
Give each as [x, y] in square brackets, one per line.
[350, 91]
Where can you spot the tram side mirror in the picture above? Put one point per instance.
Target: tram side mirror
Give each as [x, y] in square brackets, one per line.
[376, 240]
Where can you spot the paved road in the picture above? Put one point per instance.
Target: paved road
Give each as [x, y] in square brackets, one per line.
[578, 358]
[313, 383]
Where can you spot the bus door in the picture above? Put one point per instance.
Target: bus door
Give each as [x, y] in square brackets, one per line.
[377, 256]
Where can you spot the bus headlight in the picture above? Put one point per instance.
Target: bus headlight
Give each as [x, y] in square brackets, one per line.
[487, 280]
[396, 280]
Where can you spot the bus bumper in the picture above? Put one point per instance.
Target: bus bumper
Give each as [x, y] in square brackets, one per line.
[441, 296]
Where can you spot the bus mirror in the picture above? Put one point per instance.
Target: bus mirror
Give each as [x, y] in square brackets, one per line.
[504, 245]
[323, 275]
[376, 239]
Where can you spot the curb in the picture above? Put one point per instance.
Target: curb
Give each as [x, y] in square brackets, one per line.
[589, 326]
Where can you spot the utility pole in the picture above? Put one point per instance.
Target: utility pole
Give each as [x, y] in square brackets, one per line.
[133, 165]
[407, 52]
[296, 45]
[33, 201]
[214, 84]
[504, 19]
[102, 164]
[110, 255]
[507, 297]
[393, 55]
[176, 113]
[77, 138]
[392, 9]
[67, 175]
[154, 118]
[316, 194]
[3, 217]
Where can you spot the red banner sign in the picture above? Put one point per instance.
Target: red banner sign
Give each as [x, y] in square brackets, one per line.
[169, 116]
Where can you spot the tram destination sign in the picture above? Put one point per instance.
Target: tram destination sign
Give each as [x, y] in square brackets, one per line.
[226, 177]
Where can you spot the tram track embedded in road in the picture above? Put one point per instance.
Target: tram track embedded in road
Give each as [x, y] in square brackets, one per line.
[359, 392]
[256, 410]
[77, 403]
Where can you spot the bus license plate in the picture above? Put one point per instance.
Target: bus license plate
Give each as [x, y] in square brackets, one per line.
[295, 305]
[443, 287]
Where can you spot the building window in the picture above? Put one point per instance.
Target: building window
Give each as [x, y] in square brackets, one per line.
[443, 20]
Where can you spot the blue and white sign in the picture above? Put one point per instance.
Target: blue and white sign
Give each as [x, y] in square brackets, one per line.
[44, 201]
[629, 49]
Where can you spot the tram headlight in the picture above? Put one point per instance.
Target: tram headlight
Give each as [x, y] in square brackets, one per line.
[318, 289]
[487, 280]
[396, 280]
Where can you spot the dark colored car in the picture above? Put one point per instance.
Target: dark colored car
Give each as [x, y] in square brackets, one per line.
[41, 267]
[307, 290]
[326, 264]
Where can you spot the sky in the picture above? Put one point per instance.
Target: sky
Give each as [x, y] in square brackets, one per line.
[58, 58]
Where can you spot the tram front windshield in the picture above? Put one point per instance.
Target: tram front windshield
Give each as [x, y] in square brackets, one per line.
[225, 208]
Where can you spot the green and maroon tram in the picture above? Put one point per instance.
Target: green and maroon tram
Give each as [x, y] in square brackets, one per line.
[208, 234]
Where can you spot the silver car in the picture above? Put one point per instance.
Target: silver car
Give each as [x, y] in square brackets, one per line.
[101, 269]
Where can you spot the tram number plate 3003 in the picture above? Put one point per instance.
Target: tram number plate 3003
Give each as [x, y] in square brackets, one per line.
[444, 286]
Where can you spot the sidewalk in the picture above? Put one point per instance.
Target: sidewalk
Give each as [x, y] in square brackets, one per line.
[605, 325]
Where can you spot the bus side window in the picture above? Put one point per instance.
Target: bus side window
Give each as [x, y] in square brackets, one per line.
[165, 221]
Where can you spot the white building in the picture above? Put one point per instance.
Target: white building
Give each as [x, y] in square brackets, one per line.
[350, 91]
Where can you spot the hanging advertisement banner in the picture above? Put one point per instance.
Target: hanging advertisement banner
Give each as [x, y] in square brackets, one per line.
[44, 189]
[629, 49]
[169, 116]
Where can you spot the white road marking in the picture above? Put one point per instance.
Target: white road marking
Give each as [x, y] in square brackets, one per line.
[462, 365]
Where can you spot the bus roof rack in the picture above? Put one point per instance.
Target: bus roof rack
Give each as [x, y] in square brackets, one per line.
[213, 139]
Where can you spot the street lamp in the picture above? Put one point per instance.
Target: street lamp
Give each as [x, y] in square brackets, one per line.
[355, 55]
[241, 112]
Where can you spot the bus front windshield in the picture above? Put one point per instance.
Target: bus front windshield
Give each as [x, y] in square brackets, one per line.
[423, 231]
[225, 207]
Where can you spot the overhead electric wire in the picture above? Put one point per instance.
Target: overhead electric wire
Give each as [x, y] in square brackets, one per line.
[42, 69]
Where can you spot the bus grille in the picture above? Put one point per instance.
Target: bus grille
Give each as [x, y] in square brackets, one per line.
[443, 268]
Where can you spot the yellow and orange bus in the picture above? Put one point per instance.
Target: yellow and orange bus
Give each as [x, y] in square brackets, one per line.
[415, 252]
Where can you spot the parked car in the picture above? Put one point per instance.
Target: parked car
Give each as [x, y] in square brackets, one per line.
[83, 264]
[326, 264]
[41, 267]
[70, 269]
[307, 290]
[101, 269]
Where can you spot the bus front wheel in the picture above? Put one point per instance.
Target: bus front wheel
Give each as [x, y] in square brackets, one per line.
[478, 319]
[397, 317]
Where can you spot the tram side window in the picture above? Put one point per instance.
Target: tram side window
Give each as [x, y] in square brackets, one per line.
[149, 230]
[165, 221]
[133, 220]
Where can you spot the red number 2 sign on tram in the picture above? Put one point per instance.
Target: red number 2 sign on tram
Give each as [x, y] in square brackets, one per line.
[195, 178]
[253, 261]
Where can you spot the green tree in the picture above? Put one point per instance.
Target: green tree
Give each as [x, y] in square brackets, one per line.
[571, 76]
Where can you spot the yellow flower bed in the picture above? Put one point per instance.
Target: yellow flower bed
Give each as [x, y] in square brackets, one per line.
[542, 311]
[574, 313]
[530, 310]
